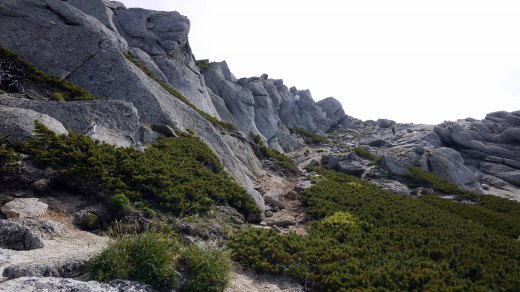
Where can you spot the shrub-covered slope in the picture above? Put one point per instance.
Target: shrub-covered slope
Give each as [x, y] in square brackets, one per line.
[362, 237]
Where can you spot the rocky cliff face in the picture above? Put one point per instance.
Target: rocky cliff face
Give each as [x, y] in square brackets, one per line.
[86, 42]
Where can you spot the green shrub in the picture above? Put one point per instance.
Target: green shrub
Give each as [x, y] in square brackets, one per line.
[149, 258]
[8, 155]
[2, 91]
[421, 178]
[91, 221]
[281, 160]
[58, 96]
[365, 153]
[119, 205]
[402, 243]
[208, 269]
[224, 125]
[65, 89]
[179, 175]
[311, 137]
[202, 64]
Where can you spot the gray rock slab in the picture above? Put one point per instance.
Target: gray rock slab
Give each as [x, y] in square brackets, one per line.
[18, 123]
[15, 236]
[38, 284]
[31, 208]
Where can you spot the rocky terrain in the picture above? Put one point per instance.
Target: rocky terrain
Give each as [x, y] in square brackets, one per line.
[141, 65]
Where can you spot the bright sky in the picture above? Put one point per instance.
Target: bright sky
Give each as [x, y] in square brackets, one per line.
[408, 60]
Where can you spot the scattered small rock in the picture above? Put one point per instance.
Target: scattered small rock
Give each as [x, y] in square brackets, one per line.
[40, 186]
[275, 197]
[292, 195]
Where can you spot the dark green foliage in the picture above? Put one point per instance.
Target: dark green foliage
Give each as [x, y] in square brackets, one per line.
[8, 155]
[399, 243]
[311, 137]
[365, 153]
[224, 125]
[65, 90]
[420, 177]
[208, 269]
[149, 257]
[119, 205]
[202, 64]
[90, 221]
[182, 176]
[155, 258]
[2, 91]
[281, 160]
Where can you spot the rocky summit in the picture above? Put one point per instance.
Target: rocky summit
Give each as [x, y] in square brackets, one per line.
[113, 136]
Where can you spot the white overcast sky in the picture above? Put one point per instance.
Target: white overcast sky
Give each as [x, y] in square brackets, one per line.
[408, 60]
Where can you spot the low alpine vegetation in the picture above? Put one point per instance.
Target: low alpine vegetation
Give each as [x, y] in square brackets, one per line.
[365, 153]
[311, 137]
[158, 259]
[177, 175]
[63, 90]
[362, 237]
[280, 160]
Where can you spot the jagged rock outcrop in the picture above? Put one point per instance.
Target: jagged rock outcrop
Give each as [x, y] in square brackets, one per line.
[81, 48]
[490, 147]
[267, 107]
[34, 284]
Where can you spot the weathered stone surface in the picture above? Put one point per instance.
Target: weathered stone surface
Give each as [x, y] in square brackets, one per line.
[333, 109]
[275, 198]
[94, 59]
[66, 269]
[449, 164]
[393, 166]
[114, 122]
[282, 222]
[30, 208]
[351, 167]
[165, 130]
[372, 141]
[36, 284]
[385, 123]
[97, 9]
[16, 236]
[18, 124]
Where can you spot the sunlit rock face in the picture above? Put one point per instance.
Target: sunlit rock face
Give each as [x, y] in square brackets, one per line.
[77, 42]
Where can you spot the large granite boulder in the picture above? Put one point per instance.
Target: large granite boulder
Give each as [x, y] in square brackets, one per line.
[16, 236]
[114, 122]
[449, 164]
[18, 124]
[30, 208]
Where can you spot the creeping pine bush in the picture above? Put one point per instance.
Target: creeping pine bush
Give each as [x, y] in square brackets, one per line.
[178, 175]
[365, 153]
[224, 125]
[311, 137]
[280, 160]
[66, 90]
[366, 238]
